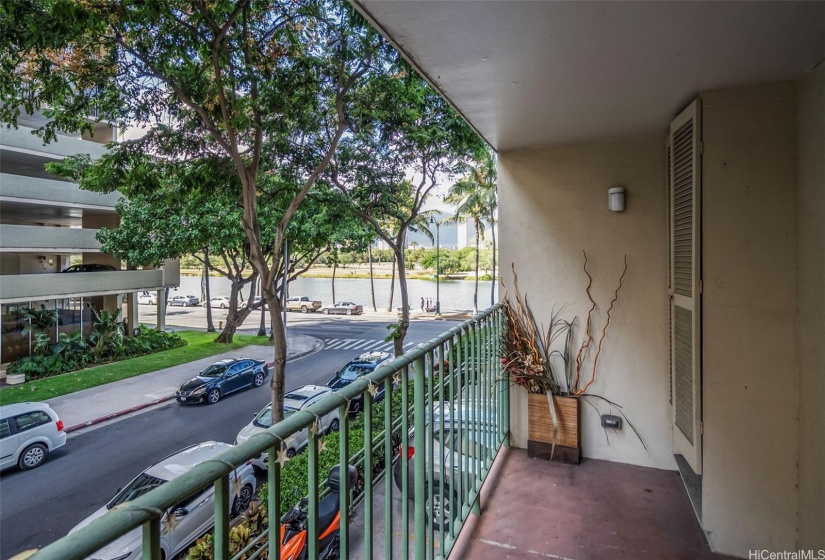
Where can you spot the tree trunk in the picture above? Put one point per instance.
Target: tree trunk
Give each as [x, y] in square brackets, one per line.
[334, 270]
[475, 290]
[392, 286]
[235, 317]
[279, 342]
[404, 325]
[493, 283]
[210, 326]
[262, 326]
[372, 281]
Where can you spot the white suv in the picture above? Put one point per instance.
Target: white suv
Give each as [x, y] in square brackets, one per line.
[28, 433]
[294, 401]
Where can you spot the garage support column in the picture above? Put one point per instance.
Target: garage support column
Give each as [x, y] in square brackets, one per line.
[161, 310]
[131, 313]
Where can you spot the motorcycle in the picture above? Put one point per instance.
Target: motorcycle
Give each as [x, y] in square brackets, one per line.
[294, 542]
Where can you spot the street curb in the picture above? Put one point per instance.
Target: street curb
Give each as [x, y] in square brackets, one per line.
[318, 344]
[114, 415]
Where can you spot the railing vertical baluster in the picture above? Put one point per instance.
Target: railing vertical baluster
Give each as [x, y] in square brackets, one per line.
[474, 446]
[455, 357]
[273, 479]
[430, 451]
[463, 404]
[222, 518]
[346, 491]
[420, 459]
[367, 475]
[487, 405]
[505, 396]
[388, 457]
[151, 539]
[312, 481]
[405, 463]
[443, 400]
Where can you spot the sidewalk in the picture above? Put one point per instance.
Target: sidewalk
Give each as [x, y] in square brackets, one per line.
[99, 404]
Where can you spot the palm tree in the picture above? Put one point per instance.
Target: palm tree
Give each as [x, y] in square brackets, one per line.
[474, 197]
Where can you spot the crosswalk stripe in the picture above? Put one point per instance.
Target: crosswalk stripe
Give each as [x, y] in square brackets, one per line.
[364, 345]
[372, 344]
[340, 343]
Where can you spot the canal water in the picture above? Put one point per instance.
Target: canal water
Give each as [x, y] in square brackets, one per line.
[454, 294]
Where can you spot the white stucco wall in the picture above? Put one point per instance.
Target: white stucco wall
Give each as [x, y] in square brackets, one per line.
[553, 206]
[810, 204]
[750, 384]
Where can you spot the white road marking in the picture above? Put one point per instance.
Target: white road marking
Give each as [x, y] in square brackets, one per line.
[533, 552]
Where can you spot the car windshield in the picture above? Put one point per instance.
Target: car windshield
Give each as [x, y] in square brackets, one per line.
[215, 370]
[354, 371]
[139, 486]
[264, 418]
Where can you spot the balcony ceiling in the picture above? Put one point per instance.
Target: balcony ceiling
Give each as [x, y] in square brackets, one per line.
[546, 73]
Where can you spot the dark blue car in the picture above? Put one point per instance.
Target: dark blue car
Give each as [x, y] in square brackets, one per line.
[360, 366]
[222, 378]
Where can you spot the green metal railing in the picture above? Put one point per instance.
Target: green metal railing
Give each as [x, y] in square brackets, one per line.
[453, 429]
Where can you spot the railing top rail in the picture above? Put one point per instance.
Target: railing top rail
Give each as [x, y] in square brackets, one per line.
[131, 515]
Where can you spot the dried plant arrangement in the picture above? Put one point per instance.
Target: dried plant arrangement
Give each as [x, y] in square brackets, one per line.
[541, 360]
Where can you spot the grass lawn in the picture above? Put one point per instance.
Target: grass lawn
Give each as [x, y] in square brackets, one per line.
[200, 346]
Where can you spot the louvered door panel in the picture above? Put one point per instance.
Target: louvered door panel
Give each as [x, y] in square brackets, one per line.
[684, 224]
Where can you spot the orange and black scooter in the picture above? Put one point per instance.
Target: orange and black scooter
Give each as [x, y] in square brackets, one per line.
[294, 522]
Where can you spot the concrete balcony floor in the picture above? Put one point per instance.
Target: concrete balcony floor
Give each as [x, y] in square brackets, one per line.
[598, 510]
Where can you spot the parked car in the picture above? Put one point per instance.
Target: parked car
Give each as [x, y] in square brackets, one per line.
[222, 378]
[193, 516]
[221, 301]
[302, 304]
[359, 367]
[28, 433]
[344, 308]
[294, 401]
[460, 460]
[90, 267]
[184, 301]
[148, 299]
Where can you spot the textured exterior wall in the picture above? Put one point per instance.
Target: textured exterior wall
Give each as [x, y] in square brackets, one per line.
[750, 390]
[553, 206]
[810, 204]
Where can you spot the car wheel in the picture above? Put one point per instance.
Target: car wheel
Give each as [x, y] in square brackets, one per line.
[223, 306]
[439, 510]
[290, 453]
[334, 426]
[355, 407]
[242, 501]
[32, 456]
[213, 396]
[259, 380]
[326, 311]
[349, 311]
[303, 309]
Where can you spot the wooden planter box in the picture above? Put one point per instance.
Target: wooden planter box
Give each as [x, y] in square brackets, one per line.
[540, 429]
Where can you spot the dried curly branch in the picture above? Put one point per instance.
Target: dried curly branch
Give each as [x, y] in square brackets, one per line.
[604, 330]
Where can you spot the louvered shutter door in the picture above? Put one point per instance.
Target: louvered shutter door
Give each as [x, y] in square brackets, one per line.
[685, 284]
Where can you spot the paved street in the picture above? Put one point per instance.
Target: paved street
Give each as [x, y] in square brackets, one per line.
[39, 506]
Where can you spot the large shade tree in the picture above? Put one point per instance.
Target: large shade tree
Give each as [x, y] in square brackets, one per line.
[410, 141]
[266, 86]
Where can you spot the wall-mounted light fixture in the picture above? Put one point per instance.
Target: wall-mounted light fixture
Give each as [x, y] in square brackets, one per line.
[615, 199]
